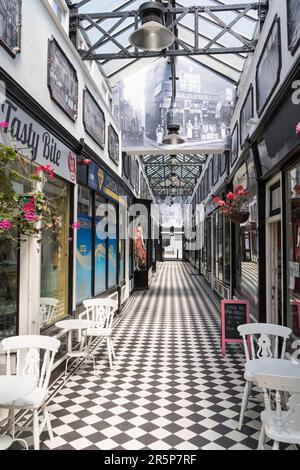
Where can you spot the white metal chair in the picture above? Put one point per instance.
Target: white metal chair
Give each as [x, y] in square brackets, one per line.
[267, 346]
[101, 313]
[34, 357]
[280, 425]
[47, 310]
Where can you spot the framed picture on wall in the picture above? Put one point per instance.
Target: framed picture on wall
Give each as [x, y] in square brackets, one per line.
[10, 25]
[62, 80]
[93, 119]
[269, 67]
[247, 113]
[234, 144]
[113, 145]
[293, 24]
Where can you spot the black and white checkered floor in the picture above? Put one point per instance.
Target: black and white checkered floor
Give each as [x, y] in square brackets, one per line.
[170, 387]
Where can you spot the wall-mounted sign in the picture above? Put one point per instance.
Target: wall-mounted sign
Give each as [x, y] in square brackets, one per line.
[293, 22]
[62, 80]
[113, 145]
[234, 313]
[102, 182]
[36, 143]
[269, 68]
[247, 113]
[10, 24]
[93, 119]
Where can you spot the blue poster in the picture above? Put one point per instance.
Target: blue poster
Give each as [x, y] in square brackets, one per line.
[112, 257]
[100, 262]
[84, 259]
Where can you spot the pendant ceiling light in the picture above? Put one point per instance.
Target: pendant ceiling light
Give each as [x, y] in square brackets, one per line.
[173, 137]
[152, 35]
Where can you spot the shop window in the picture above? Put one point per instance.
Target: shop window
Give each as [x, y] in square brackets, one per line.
[210, 175]
[223, 163]
[100, 269]
[293, 250]
[60, 9]
[55, 256]
[122, 224]
[216, 169]
[207, 244]
[9, 267]
[84, 246]
[246, 258]
[112, 247]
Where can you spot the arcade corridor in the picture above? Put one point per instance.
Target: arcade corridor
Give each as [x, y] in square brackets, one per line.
[169, 387]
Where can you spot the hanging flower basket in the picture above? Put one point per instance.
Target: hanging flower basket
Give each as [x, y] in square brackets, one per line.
[239, 217]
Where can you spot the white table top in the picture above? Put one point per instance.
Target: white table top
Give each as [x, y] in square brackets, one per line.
[274, 367]
[74, 324]
[13, 387]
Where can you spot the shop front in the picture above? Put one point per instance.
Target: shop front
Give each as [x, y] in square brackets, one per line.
[35, 291]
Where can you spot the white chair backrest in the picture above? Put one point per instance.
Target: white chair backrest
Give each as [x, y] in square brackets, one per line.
[47, 310]
[29, 360]
[268, 340]
[101, 311]
[289, 422]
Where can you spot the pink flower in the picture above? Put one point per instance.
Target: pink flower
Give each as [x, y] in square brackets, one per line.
[5, 224]
[76, 226]
[298, 128]
[70, 239]
[31, 217]
[217, 200]
[222, 203]
[4, 125]
[230, 196]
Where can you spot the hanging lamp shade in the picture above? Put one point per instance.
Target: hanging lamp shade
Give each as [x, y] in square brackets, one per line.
[152, 35]
[173, 137]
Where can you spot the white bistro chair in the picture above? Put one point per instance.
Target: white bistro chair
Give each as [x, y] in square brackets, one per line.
[34, 357]
[101, 312]
[47, 310]
[266, 346]
[280, 425]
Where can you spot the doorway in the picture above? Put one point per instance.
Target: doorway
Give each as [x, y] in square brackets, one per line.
[274, 283]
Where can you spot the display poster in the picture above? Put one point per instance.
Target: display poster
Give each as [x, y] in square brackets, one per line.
[140, 250]
[84, 259]
[112, 256]
[100, 262]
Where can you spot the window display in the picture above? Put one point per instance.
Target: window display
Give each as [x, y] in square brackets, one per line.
[293, 251]
[100, 251]
[55, 256]
[112, 250]
[84, 246]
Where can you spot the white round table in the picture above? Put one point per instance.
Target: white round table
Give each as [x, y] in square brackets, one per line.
[271, 366]
[13, 387]
[69, 326]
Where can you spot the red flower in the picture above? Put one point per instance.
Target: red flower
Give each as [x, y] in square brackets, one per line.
[230, 196]
[217, 200]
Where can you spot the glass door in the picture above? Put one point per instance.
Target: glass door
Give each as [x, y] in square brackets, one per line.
[275, 271]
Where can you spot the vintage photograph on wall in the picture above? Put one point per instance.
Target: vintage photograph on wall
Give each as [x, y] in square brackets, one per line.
[10, 25]
[293, 9]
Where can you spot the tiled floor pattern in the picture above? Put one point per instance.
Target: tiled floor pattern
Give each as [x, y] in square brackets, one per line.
[170, 387]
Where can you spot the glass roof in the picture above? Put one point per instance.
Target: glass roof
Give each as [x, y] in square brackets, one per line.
[241, 30]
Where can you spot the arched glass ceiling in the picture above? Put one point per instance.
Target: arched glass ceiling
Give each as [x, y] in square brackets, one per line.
[234, 29]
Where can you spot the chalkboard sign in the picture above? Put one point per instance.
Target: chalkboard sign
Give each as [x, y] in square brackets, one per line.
[293, 8]
[269, 67]
[10, 24]
[234, 314]
[93, 119]
[113, 145]
[62, 80]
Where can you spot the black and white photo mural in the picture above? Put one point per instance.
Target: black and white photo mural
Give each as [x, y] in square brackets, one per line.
[113, 145]
[269, 67]
[93, 118]
[10, 24]
[202, 107]
[293, 9]
[62, 80]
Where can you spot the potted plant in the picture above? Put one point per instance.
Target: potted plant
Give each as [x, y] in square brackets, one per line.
[235, 206]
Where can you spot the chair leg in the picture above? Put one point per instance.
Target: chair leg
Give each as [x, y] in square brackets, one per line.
[113, 350]
[48, 421]
[262, 438]
[66, 368]
[109, 351]
[11, 422]
[276, 445]
[36, 430]
[246, 394]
